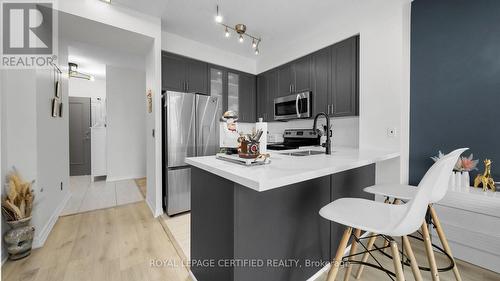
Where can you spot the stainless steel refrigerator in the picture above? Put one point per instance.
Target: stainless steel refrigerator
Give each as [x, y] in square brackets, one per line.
[190, 129]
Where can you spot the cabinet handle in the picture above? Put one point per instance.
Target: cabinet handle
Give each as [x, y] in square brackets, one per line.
[187, 86]
[328, 109]
[333, 110]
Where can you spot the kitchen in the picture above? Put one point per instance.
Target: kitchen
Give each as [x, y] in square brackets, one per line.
[282, 141]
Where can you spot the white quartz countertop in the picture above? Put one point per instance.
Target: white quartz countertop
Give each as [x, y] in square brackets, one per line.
[285, 170]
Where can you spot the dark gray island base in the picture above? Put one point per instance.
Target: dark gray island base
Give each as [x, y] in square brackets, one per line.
[239, 234]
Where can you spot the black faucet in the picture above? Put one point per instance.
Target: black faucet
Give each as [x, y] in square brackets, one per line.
[328, 144]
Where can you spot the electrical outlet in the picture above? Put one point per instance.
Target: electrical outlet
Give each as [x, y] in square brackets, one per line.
[391, 132]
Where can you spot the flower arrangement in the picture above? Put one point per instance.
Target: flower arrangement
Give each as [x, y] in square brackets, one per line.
[464, 164]
[17, 204]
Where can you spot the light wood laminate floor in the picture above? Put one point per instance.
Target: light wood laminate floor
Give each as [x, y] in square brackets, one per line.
[109, 244]
[119, 243]
[88, 196]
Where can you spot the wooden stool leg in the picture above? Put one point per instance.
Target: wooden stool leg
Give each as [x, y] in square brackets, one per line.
[430, 252]
[354, 246]
[369, 246]
[444, 241]
[334, 269]
[397, 261]
[414, 265]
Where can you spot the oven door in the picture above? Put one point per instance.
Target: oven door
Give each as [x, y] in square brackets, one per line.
[293, 106]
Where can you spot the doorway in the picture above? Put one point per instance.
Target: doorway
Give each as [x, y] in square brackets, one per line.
[79, 136]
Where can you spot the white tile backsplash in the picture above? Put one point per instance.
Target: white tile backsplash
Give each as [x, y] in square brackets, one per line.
[345, 129]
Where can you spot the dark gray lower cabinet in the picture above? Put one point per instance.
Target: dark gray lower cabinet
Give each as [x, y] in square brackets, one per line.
[230, 222]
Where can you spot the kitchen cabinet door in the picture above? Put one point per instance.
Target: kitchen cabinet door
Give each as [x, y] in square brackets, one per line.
[272, 90]
[285, 80]
[173, 73]
[320, 81]
[197, 77]
[247, 100]
[344, 83]
[302, 74]
[262, 97]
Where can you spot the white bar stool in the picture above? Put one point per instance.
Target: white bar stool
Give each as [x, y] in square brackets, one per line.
[386, 219]
[408, 192]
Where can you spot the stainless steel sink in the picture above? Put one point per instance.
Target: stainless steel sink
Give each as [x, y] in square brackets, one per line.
[303, 153]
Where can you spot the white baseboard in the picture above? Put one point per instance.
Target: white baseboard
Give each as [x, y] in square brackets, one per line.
[41, 236]
[132, 177]
[156, 212]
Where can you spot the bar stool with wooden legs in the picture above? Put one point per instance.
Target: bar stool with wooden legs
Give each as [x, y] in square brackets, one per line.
[388, 220]
[405, 193]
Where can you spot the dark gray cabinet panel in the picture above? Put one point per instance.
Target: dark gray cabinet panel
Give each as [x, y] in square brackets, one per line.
[247, 98]
[272, 90]
[294, 77]
[349, 183]
[173, 73]
[197, 77]
[184, 74]
[262, 97]
[302, 74]
[320, 80]
[285, 80]
[344, 83]
[267, 90]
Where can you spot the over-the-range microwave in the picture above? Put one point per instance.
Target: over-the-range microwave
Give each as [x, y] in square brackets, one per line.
[293, 106]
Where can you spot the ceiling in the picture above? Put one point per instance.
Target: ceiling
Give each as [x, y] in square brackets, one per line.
[279, 22]
[75, 28]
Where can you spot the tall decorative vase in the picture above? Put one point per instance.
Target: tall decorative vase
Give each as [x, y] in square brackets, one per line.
[19, 238]
[465, 179]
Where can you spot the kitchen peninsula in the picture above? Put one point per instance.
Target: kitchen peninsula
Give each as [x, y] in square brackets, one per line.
[262, 222]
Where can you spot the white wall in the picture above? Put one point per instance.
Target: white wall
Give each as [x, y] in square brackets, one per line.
[183, 46]
[35, 142]
[87, 88]
[18, 127]
[126, 116]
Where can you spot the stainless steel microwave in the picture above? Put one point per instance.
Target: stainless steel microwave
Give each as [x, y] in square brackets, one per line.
[293, 106]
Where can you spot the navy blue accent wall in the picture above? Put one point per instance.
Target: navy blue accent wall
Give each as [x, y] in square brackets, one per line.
[455, 81]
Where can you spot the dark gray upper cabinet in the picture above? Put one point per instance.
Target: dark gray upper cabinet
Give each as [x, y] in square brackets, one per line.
[285, 80]
[321, 72]
[183, 74]
[294, 77]
[344, 94]
[197, 78]
[267, 90]
[332, 74]
[236, 91]
[302, 74]
[173, 73]
[247, 98]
